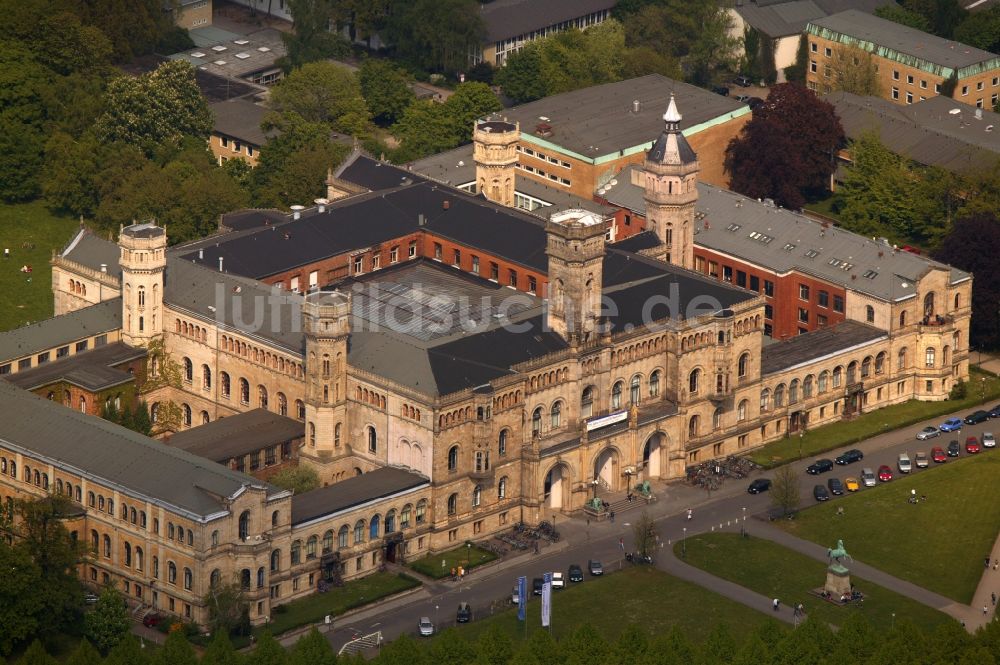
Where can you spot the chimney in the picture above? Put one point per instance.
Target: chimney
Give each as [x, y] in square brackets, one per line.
[201, 253]
[321, 204]
[445, 204]
[420, 219]
[220, 264]
[297, 211]
[104, 267]
[979, 114]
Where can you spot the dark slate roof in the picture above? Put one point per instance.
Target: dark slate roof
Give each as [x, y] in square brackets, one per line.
[373, 174]
[658, 153]
[92, 370]
[781, 18]
[144, 230]
[597, 121]
[244, 220]
[347, 494]
[509, 18]
[811, 346]
[238, 435]
[928, 132]
[139, 466]
[88, 250]
[59, 330]
[240, 119]
[637, 243]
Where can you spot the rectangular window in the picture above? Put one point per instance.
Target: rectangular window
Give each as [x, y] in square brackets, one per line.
[965, 90]
[270, 456]
[376, 261]
[803, 315]
[813, 47]
[43, 358]
[768, 288]
[937, 88]
[475, 264]
[223, 141]
[768, 312]
[768, 329]
[512, 278]
[23, 364]
[359, 265]
[824, 299]
[532, 285]
[727, 273]
[895, 93]
[412, 251]
[802, 331]
[294, 284]
[393, 254]
[81, 346]
[628, 220]
[820, 320]
[457, 259]
[895, 75]
[255, 460]
[250, 151]
[838, 304]
[713, 269]
[5, 368]
[741, 278]
[100, 340]
[699, 263]
[909, 98]
[62, 351]
[813, 67]
[236, 146]
[494, 272]
[754, 283]
[909, 79]
[979, 86]
[803, 292]
[828, 51]
[923, 84]
[438, 251]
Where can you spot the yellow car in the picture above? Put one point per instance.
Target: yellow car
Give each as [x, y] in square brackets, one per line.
[851, 484]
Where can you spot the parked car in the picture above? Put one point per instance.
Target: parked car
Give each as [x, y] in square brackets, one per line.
[425, 627]
[849, 457]
[537, 585]
[951, 425]
[884, 473]
[558, 581]
[977, 417]
[754, 102]
[721, 90]
[851, 484]
[836, 487]
[903, 463]
[989, 441]
[920, 460]
[575, 573]
[972, 445]
[464, 614]
[515, 597]
[995, 411]
[928, 432]
[90, 598]
[742, 80]
[742, 98]
[152, 620]
[759, 485]
[953, 448]
[595, 567]
[868, 477]
[820, 493]
[938, 455]
[819, 466]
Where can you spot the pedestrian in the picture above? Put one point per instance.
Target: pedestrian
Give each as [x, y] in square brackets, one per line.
[993, 597]
[996, 562]
[987, 562]
[774, 604]
[985, 610]
[612, 517]
[690, 514]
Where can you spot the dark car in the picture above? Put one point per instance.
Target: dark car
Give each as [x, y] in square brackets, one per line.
[954, 449]
[595, 567]
[836, 487]
[537, 585]
[754, 102]
[995, 411]
[850, 457]
[575, 573]
[720, 90]
[742, 80]
[976, 418]
[464, 614]
[819, 466]
[759, 485]
[820, 493]
[152, 620]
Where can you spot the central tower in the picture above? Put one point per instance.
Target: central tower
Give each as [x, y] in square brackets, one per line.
[326, 317]
[671, 191]
[575, 248]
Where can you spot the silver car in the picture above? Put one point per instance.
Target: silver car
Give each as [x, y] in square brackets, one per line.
[988, 440]
[868, 477]
[928, 432]
[425, 626]
[904, 464]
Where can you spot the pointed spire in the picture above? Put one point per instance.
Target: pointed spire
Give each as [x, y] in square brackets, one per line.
[672, 117]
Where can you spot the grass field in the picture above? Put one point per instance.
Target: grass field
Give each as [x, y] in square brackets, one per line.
[468, 558]
[640, 595]
[23, 301]
[777, 572]
[938, 544]
[871, 424]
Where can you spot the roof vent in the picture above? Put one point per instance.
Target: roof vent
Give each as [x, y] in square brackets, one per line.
[201, 254]
[220, 264]
[636, 106]
[445, 204]
[421, 220]
[297, 211]
[321, 204]
[979, 114]
[104, 267]
[955, 112]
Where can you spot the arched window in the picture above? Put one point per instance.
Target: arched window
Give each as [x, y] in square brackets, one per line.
[261, 397]
[556, 415]
[765, 400]
[245, 579]
[477, 496]
[180, 534]
[633, 390]
[187, 415]
[866, 367]
[743, 365]
[107, 546]
[823, 382]
[328, 541]
[807, 387]
[901, 359]
[869, 314]
[929, 305]
[311, 547]
[902, 318]
[275, 561]
[717, 418]
[342, 536]
[373, 527]
[693, 380]
[244, 391]
[779, 396]
[312, 435]
[224, 378]
[188, 579]
[654, 384]
[372, 440]
[300, 409]
[404, 517]
[502, 442]
[296, 552]
[616, 395]
[171, 572]
[453, 504]
[929, 357]
[216, 578]
[133, 516]
[502, 488]
[390, 522]
[793, 391]
[188, 370]
[282, 404]
[880, 362]
[156, 568]
[958, 300]
[421, 514]
[128, 555]
[359, 532]
[587, 402]
[244, 525]
[693, 425]
[453, 458]
[215, 538]
[206, 377]
[536, 422]
[138, 558]
[838, 376]
[741, 411]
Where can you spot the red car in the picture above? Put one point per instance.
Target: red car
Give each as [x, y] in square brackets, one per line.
[152, 620]
[938, 455]
[884, 473]
[972, 445]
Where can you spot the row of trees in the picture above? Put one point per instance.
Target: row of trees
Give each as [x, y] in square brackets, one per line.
[948, 19]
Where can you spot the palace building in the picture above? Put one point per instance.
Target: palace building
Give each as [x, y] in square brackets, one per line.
[455, 366]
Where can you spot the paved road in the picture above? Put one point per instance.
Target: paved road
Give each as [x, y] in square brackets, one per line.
[731, 504]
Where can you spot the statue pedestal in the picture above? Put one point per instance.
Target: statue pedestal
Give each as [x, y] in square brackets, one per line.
[838, 581]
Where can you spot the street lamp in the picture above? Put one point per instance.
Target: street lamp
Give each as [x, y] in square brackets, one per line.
[744, 529]
[684, 549]
[468, 556]
[801, 434]
[436, 614]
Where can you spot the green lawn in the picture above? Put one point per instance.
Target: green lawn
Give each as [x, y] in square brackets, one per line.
[777, 572]
[23, 301]
[641, 595]
[469, 558]
[870, 424]
[825, 206]
[938, 544]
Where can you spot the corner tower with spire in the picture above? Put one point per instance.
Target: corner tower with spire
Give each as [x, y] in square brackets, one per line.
[671, 191]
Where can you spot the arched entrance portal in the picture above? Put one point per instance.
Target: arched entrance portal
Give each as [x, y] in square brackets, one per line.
[653, 455]
[606, 470]
[557, 486]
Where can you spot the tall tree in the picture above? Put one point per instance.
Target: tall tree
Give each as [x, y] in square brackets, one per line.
[226, 604]
[36, 655]
[176, 650]
[644, 534]
[786, 151]
[854, 71]
[521, 76]
[312, 649]
[436, 35]
[130, 652]
[385, 88]
[427, 127]
[323, 92]
[311, 38]
[20, 606]
[109, 621]
[268, 652]
[84, 654]
[903, 16]
[785, 489]
[981, 29]
[942, 15]
[300, 479]
[220, 651]
[155, 109]
[494, 647]
[973, 241]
